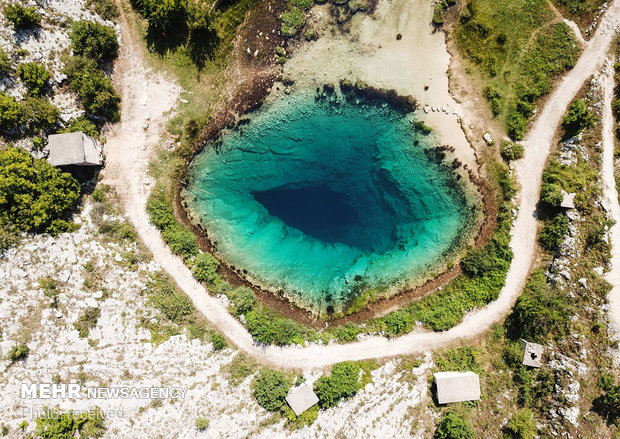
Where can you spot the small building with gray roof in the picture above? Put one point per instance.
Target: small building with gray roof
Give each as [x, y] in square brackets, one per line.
[74, 149]
[457, 387]
[301, 398]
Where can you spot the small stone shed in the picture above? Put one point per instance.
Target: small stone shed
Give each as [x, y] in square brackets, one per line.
[457, 387]
[532, 353]
[568, 200]
[74, 149]
[301, 398]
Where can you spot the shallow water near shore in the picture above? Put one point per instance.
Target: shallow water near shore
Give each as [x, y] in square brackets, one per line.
[324, 199]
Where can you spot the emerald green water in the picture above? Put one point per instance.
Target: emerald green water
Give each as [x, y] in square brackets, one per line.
[316, 198]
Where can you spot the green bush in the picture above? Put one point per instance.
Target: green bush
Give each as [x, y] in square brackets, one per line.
[180, 240]
[268, 328]
[511, 151]
[244, 300]
[38, 115]
[160, 213]
[452, 426]
[218, 341]
[34, 196]
[292, 21]
[521, 425]
[93, 40]
[95, 89]
[34, 75]
[5, 63]
[202, 424]
[10, 113]
[540, 312]
[205, 268]
[270, 388]
[22, 17]
[18, 352]
[608, 405]
[56, 425]
[342, 383]
[106, 9]
[87, 321]
[81, 124]
[302, 4]
[164, 295]
[553, 232]
[439, 13]
[551, 193]
[578, 117]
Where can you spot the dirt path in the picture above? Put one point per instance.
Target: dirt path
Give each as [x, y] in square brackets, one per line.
[130, 147]
[610, 198]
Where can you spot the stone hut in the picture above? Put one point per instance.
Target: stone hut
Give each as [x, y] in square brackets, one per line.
[301, 398]
[74, 149]
[457, 387]
[532, 353]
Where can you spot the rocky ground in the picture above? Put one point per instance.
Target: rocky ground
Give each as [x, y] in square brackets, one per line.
[92, 271]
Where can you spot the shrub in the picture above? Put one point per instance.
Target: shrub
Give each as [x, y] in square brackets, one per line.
[551, 193]
[342, 383]
[160, 213]
[439, 13]
[22, 17]
[608, 405]
[10, 113]
[180, 240]
[453, 426]
[164, 295]
[540, 312]
[553, 232]
[267, 328]
[292, 21]
[512, 151]
[202, 424]
[54, 425]
[93, 40]
[95, 89]
[5, 63]
[106, 9]
[302, 4]
[578, 117]
[34, 195]
[218, 341]
[243, 299]
[270, 388]
[516, 123]
[39, 115]
[18, 352]
[478, 262]
[81, 124]
[34, 76]
[205, 268]
[521, 425]
[87, 321]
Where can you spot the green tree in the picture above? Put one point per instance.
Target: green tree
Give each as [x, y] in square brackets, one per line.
[166, 15]
[578, 117]
[521, 425]
[52, 425]
[81, 124]
[270, 388]
[244, 300]
[5, 63]
[95, 89]
[205, 268]
[551, 193]
[342, 383]
[22, 17]
[10, 113]
[608, 405]
[34, 75]
[94, 40]
[453, 426]
[39, 115]
[34, 195]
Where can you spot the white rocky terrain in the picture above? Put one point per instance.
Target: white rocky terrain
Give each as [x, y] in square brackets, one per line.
[118, 352]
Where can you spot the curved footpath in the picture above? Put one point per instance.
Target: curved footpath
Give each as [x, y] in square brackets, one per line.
[130, 147]
[610, 199]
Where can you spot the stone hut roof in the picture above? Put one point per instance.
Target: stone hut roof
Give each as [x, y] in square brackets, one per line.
[457, 386]
[301, 398]
[568, 200]
[74, 149]
[532, 353]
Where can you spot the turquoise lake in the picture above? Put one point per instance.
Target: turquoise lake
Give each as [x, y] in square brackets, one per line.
[320, 199]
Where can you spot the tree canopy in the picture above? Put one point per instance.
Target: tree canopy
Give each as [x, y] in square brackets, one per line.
[93, 40]
[270, 389]
[34, 196]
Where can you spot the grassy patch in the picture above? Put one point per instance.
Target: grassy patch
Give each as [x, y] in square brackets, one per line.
[517, 51]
